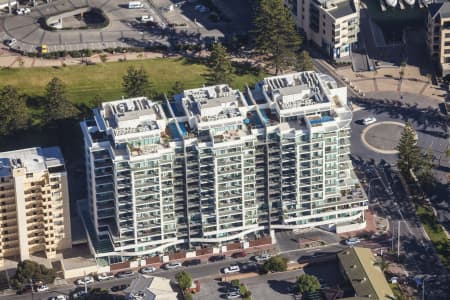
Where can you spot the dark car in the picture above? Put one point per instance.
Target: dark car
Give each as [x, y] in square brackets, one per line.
[118, 288]
[216, 258]
[233, 289]
[125, 274]
[192, 262]
[239, 254]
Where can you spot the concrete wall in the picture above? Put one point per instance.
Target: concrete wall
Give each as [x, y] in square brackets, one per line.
[56, 18]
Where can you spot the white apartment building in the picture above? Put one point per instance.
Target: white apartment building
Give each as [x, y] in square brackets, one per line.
[216, 165]
[332, 25]
[438, 35]
[34, 203]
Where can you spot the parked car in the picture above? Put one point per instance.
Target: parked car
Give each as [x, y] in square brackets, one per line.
[85, 280]
[262, 257]
[105, 276]
[239, 254]
[192, 262]
[352, 241]
[231, 269]
[172, 265]
[216, 258]
[233, 295]
[250, 266]
[10, 42]
[147, 270]
[201, 8]
[42, 288]
[23, 11]
[118, 288]
[369, 120]
[43, 49]
[59, 297]
[125, 274]
[233, 289]
[78, 294]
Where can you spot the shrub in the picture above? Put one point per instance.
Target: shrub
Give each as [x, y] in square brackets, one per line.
[235, 282]
[275, 264]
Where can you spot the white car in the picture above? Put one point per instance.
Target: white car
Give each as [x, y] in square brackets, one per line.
[172, 265]
[352, 241]
[145, 19]
[42, 288]
[105, 276]
[85, 280]
[231, 269]
[11, 42]
[233, 295]
[262, 257]
[369, 120]
[59, 297]
[148, 270]
[23, 11]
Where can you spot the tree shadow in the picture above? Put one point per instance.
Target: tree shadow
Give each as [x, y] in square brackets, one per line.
[282, 286]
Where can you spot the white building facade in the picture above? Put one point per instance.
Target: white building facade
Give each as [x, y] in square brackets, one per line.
[332, 25]
[217, 165]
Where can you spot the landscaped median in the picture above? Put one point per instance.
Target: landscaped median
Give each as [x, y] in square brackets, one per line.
[435, 232]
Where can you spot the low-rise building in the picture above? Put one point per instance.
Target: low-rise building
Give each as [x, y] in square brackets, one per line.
[332, 25]
[151, 288]
[34, 203]
[368, 281]
[438, 35]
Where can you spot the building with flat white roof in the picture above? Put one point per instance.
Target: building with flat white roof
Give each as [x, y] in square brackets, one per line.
[216, 165]
[34, 203]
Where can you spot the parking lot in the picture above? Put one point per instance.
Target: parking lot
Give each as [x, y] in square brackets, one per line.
[278, 286]
[173, 22]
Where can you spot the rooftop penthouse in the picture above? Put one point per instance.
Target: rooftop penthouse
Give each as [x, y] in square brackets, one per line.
[304, 101]
[214, 103]
[131, 116]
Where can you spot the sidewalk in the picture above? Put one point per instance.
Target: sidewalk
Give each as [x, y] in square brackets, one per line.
[13, 60]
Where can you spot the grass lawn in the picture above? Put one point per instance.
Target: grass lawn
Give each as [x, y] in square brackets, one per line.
[105, 80]
[436, 234]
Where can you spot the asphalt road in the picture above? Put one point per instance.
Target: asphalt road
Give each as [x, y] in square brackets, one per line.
[203, 271]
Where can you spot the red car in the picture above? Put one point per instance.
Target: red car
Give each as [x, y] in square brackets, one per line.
[239, 254]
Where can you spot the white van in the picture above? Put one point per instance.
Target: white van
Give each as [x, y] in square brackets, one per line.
[145, 19]
[135, 4]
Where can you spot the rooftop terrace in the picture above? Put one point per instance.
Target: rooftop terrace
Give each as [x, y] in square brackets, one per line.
[296, 90]
[132, 115]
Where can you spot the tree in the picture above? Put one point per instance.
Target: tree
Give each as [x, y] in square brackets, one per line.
[13, 110]
[135, 82]
[304, 61]
[409, 156]
[220, 65]
[275, 264]
[28, 270]
[307, 284]
[56, 104]
[275, 34]
[184, 280]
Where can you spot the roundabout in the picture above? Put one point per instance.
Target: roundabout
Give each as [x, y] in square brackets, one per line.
[118, 27]
[382, 137]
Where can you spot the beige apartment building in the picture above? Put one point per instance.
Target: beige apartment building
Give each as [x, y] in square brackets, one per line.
[438, 35]
[34, 203]
[332, 25]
